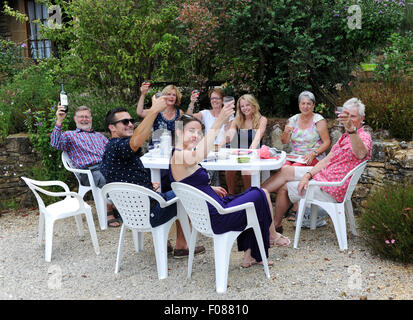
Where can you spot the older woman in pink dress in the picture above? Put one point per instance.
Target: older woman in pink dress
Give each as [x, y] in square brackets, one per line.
[353, 147]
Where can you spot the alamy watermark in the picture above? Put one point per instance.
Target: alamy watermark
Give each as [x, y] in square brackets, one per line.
[354, 21]
[354, 282]
[54, 281]
[55, 17]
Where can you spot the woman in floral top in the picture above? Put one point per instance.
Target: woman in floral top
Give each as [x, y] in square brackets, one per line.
[307, 132]
[309, 136]
[352, 148]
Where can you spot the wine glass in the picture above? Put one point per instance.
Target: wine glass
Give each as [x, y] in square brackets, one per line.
[148, 82]
[338, 111]
[227, 99]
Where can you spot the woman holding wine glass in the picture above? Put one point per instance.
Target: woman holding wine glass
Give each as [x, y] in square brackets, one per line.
[208, 117]
[309, 136]
[164, 121]
[249, 127]
[191, 149]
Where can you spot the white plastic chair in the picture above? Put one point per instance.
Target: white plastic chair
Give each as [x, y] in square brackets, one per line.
[336, 210]
[100, 203]
[72, 206]
[195, 204]
[133, 203]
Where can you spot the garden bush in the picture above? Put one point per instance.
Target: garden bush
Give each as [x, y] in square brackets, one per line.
[389, 105]
[33, 88]
[39, 126]
[12, 60]
[397, 61]
[387, 223]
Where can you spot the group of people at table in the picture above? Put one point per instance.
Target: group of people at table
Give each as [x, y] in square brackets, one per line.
[118, 159]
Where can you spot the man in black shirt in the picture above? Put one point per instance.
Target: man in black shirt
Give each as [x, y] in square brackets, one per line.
[121, 163]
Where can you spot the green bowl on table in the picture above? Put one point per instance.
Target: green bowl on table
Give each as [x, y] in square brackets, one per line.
[243, 159]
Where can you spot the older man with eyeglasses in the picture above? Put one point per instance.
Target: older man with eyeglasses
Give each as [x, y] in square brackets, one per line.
[121, 163]
[85, 147]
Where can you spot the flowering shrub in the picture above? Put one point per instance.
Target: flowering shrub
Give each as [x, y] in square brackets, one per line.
[12, 59]
[387, 223]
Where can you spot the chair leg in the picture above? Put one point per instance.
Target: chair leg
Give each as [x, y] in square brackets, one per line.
[92, 230]
[222, 251]
[120, 248]
[41, 227]
[135, 237]
[83, 190]
[101, 209]
[350, 215]
[48, 239]
[191, 246]
[138, 240]
[160, 238]
[313, 216]
[258, 236]
[339, 221]
[79, 224]
[184, 221]
[299, 221]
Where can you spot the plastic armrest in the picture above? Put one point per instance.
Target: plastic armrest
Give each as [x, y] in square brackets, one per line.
[240, 207]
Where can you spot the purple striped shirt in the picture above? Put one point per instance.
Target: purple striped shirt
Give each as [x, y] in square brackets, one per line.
[85, 148]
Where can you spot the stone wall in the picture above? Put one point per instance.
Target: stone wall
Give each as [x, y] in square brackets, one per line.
[392, 162]
[16, 159]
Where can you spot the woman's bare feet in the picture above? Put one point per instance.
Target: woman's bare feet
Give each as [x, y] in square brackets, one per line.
[248, 260]
[279, 240]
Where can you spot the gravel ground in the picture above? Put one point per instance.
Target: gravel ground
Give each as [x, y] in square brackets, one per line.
[318, 270]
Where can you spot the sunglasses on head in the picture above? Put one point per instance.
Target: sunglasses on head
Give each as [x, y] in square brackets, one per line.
[125, 121]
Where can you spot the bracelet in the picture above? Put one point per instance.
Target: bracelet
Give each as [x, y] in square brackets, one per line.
[316, 153]
[311, 176]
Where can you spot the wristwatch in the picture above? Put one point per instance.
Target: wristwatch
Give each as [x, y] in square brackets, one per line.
[354, 131]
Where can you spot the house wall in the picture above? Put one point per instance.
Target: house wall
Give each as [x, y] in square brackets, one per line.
[13, 30]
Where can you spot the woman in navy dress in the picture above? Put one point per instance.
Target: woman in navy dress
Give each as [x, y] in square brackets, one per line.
[185, 168]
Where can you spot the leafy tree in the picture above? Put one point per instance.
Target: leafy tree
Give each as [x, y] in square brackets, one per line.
[275, 48]
[115, 45]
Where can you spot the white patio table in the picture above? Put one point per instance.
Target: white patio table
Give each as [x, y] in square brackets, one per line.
[255, 166]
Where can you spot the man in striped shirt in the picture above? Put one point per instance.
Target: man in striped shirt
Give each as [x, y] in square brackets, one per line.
[84, 146]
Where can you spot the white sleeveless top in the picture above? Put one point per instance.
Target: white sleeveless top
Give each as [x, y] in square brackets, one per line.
[208, 120]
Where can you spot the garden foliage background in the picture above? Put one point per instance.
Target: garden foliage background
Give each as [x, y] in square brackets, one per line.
[270, 48]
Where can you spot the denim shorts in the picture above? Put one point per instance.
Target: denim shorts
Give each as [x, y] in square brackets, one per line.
[161, 215]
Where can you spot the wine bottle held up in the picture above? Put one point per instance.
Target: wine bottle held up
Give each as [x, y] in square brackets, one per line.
[63, 99]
